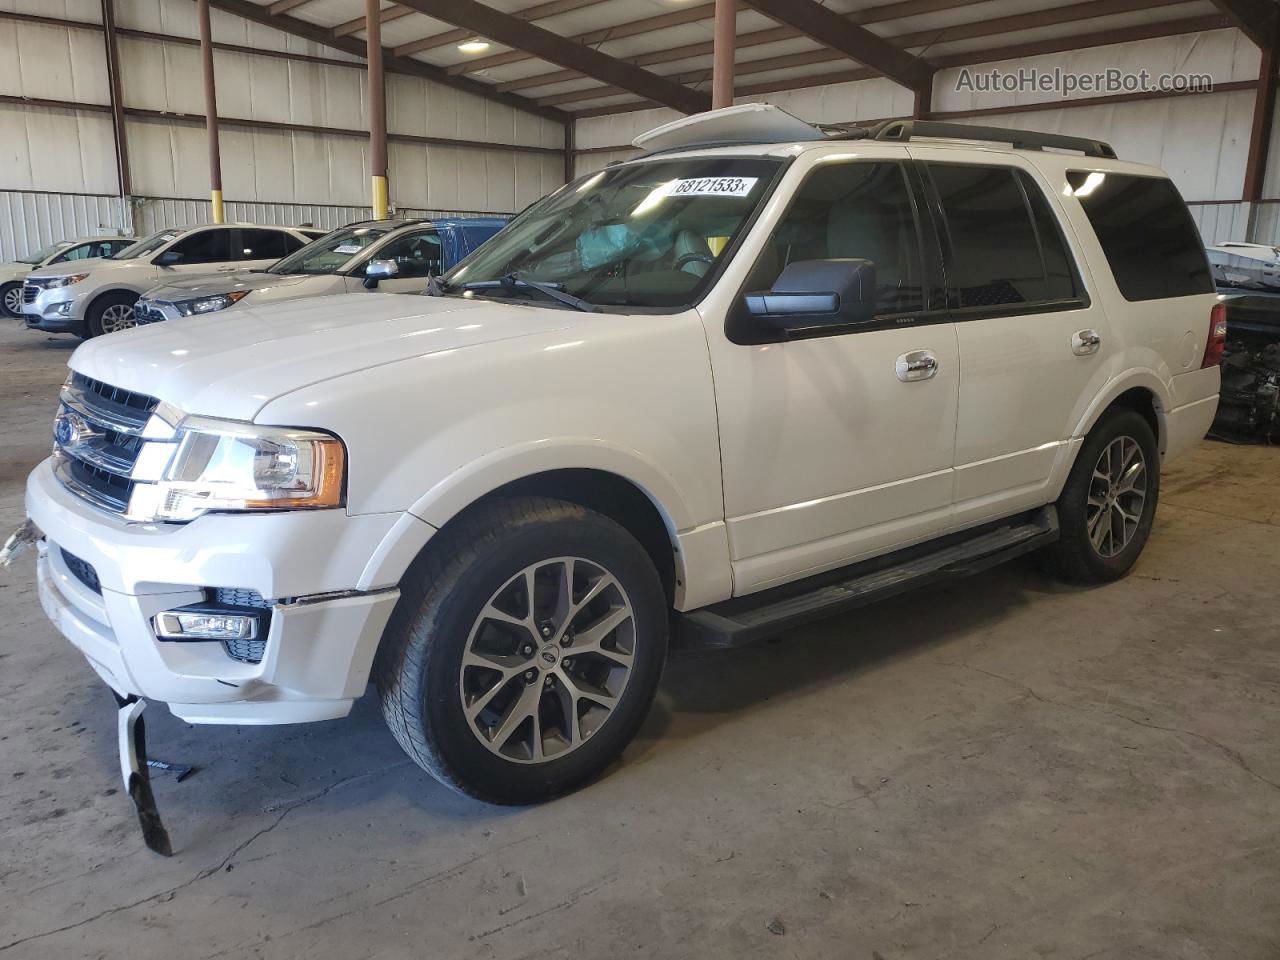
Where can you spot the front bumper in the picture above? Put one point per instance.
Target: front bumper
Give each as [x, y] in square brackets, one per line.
[55, 310]
[323, 632]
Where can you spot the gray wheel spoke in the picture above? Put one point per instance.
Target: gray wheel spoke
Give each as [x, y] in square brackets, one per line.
[582, 690]
[591, 637]
[1098, 529]
[1129, 480]
[525, 706]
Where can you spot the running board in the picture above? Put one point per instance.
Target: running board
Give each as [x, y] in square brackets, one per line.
[742, 620]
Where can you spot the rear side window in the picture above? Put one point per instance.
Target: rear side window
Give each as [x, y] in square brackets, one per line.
[1146, 232]
[264, 245]
[1005, 245]
[1059, 268]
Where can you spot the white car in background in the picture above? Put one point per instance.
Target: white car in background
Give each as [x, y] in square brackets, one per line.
[98, 298]
[393, 256]
[85, 248]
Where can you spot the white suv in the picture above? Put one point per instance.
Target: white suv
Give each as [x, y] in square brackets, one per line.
[98, 297]
[64, 251]
[723, 388]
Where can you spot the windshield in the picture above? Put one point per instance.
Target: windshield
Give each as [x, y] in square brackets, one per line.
[331, 253]
[639, 235]
[43, 253]
[150, 245]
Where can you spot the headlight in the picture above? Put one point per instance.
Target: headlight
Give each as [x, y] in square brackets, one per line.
[222, 465]
[189, 308]
[56, 282]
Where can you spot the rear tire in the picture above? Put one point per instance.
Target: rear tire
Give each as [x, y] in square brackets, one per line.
[511, 702]
[110, 313]
[1109, 502]
[11, 300]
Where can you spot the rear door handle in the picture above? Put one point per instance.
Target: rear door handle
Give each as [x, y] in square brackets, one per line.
[1085, 342]
[916, 365]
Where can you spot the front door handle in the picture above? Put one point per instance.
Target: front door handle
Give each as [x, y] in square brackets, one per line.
[1085, 342]
[916, 365]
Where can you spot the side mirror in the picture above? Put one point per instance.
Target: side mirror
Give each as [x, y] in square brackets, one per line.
[168, 258]
[376, 271]
[813, 294]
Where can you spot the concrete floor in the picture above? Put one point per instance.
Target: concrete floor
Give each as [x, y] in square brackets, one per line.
[1005, 768]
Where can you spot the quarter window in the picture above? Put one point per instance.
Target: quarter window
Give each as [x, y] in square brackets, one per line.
[1146, 232]
[858, 210]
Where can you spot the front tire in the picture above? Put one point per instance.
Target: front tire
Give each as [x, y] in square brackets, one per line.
[1109, 501]
[11, 300]
[525, 650]
[110, 313]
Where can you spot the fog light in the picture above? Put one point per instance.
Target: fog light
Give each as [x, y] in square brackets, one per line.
[63, 309]
[192, 624]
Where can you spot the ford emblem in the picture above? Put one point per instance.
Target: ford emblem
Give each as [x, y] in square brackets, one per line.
[65, 430]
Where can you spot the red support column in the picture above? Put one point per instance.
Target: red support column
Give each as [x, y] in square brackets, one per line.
[724, 42]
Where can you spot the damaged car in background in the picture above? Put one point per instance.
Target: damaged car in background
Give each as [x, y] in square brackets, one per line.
[1248, 280]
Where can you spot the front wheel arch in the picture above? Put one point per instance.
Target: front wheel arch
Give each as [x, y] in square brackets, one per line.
[99, 302]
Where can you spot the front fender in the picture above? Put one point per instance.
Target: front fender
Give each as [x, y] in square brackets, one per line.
[460, 489]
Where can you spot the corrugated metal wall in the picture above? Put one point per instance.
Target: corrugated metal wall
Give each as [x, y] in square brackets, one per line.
[275, 176]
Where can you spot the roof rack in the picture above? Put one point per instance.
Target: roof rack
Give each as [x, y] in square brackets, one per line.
[1019, 139]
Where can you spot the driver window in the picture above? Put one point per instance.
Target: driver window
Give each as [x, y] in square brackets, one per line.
[417, 255]
[852, 210]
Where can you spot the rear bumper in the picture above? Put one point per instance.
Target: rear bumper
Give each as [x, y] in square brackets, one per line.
[323, 632]
[1196, 396]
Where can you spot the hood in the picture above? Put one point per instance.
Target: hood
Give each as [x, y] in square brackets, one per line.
[211, 284]
[94, 265]
[13, 271]
[232, 365]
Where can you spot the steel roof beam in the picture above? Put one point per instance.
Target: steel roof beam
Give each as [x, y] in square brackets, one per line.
[1258, 19]
[514, 32]
[393, 64]
[853, 40]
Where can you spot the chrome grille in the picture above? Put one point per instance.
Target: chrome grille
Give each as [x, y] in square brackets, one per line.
[30, 291]
[98, 434]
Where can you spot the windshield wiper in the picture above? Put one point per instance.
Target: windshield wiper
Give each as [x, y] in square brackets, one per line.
[554, 291]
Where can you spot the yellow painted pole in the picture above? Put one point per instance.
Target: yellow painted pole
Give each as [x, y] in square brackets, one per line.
[377, 108]
[210, 112]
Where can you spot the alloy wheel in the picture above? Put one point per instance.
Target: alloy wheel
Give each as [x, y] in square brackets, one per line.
[547, 660]
[1117, 496]
[13, 301]
[118, 316]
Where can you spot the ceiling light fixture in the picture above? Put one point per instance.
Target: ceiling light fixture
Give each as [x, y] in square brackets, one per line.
[474, 46]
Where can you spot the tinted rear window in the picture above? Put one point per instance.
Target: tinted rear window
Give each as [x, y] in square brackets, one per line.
[1146, 232]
